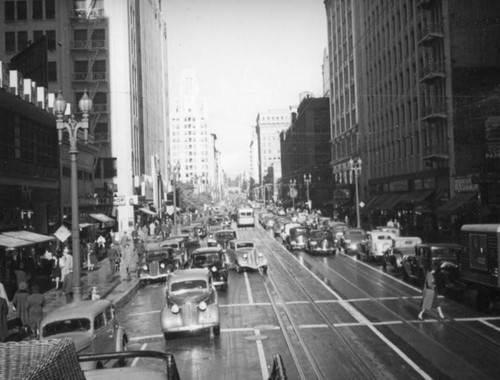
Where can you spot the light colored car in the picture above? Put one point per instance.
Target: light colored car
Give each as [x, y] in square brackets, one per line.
[192, 303]
[92, 325]
[242, 254]
[376, 244]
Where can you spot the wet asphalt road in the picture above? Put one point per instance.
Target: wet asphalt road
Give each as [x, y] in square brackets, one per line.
[328, 317]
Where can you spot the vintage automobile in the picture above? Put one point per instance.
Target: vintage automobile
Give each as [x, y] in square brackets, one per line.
[214, 259]
[158, 262]
[92, 325]
[375, 245]
[191, 303]
[178, 243]
[402, 246]
[223, 236]
[338, 229]
[395, 230]
[200, 229]
[298, 238]
[242, 255]
[443, 257]
[226, 222]
[190, 236]
[351, 240]
[285, 232]
[321, 241]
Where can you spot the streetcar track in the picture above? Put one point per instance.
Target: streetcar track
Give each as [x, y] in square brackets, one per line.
[459, 329]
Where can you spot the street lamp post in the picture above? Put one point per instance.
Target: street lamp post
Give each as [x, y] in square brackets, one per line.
[307, 181]
[293, 191]
[72, 126]
[175, 173]
[355, 166]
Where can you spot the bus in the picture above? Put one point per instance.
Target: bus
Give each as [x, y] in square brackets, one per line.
[245, 217]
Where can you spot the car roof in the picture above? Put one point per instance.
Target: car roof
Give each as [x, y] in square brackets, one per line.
[80, 309]
[189, 274]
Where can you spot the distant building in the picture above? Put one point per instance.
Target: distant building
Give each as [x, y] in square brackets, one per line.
[191, 143]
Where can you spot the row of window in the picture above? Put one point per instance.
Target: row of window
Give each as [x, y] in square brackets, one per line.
[40, 9]
[17, 41]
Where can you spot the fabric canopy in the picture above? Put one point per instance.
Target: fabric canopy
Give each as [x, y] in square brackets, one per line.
[15, 239]
[147, 211]
[102, 218]
[456, 203]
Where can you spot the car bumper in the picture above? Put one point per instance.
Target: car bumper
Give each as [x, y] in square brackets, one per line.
[294, 245]
[322, 250]
[147, 276]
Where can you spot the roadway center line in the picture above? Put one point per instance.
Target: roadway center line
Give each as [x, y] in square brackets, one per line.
[134, 363]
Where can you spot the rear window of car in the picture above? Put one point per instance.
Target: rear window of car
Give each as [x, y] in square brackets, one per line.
[188, 285]
[225, 235]
[66, 326]
[202, 259]
[321, 234]
[354, 233]
[246, 245]
[157, 255]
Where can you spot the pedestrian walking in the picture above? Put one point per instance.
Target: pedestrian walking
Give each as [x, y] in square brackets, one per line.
[68, 287]
[34, 306]
[66, 263]
[56, 271]
[112, 257]
[92, 256]
[430, 298]
[19, 303]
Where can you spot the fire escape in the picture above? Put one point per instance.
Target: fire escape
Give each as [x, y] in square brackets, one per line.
[89, 49]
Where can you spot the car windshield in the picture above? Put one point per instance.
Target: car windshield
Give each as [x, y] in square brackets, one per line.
[173, 245]
[206, 259]
[157, 255]
[354, 233]
[299, 231]
[66, 326]
[226, 235]
[245, 245]
[444, 253]
[321, 235]
[188, 285]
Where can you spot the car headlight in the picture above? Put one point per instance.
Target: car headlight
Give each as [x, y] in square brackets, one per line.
[214, 269]
[175, 308]
[202, 306]
[145, 267]
[245, 256]
[162, 265]
[353, 246]
[314, 242]
[260, 255]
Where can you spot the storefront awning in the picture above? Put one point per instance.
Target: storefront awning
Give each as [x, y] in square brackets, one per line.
[387, 201]
[415, 196]
[15, 239]
[102, 218]
[456, 203]
[147, 211]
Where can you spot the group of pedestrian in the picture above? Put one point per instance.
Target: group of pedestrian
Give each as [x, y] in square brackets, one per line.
[28, 307]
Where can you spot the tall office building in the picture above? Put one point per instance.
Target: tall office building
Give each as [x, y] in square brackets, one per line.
[189, 137]
[269, 125]
[115, 50]
[413, 94]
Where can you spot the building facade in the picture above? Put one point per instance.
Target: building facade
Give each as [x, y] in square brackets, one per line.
[191, 144]
[305, 155]
[412, 92]
[127, 81]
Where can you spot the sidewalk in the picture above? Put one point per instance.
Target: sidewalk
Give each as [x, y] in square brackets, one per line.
[110, 287]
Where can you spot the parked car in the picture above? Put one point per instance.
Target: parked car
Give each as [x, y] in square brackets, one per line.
[402, 247]
[242, 255]
[214, 259]
[92, 325]
[351, 240]
[375, 245]
[443, 257]
[298, 238]
[158, 262]
[191, 303]
[178, 243]
[321, 241]
[223, 236]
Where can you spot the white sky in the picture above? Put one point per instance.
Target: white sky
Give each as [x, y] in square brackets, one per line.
[250, 56]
